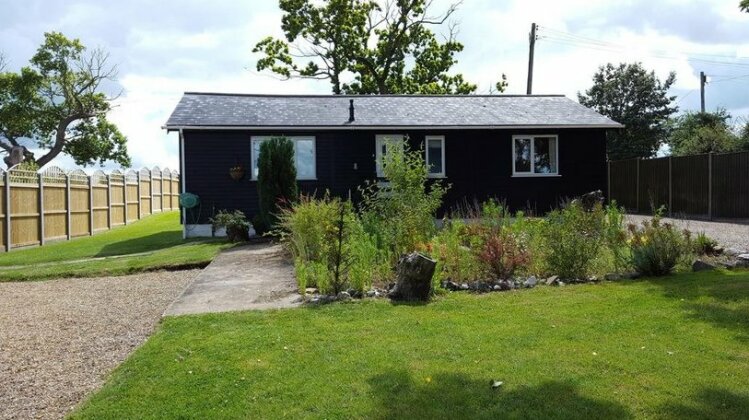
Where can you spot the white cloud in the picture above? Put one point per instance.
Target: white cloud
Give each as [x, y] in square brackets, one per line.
[199, 47]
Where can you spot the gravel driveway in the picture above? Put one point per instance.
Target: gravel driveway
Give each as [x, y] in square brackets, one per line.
[60, 338]
[728, 235]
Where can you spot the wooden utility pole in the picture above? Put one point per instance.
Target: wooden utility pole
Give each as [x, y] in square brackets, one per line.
[703, 81]
[532, 38]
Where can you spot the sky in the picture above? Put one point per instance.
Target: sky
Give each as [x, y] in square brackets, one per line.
[164, 48]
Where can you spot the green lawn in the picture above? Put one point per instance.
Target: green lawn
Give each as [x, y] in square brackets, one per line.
[676, 347]
[156, 239]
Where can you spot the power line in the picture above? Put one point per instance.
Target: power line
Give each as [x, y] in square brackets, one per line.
[580, 38]
[743, 76]
[588, 43]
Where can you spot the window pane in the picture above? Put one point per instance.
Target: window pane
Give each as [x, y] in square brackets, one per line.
[255, 155]
[522, 155]
[545, 156]
[434, 156]
[383, 143]
[305, 159]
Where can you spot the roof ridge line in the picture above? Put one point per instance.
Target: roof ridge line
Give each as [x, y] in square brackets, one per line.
[301, 95]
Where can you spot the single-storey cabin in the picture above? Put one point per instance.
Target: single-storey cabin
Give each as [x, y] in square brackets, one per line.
[530, 151]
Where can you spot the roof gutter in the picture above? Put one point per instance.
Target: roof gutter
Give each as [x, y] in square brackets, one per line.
[387, 127]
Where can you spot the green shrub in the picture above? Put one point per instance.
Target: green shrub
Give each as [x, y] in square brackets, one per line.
[331, 249]
[236, 224]
[657, 247]
[501, 253]
[573, 239]
[704, 245]
[276, 181]
[400, 213]
[452, 248]
[615, 236]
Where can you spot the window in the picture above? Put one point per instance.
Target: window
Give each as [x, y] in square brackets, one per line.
[382, 143]
[535, 156]
[304, 156]
[435, 156]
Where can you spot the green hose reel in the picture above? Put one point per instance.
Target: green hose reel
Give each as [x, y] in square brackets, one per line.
[188, 200]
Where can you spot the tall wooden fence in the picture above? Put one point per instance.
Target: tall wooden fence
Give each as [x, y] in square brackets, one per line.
[37, 207]
[703, 186]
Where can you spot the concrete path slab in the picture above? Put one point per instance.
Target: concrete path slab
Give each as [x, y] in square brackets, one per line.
[257, 276]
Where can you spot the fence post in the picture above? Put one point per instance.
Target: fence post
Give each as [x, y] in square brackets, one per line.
[710, 186]
[69, 225]
[637, 187]
[90, 205]
[139, 194]
[41, 209]
[670, 187]
[8, 223]
[109, 203]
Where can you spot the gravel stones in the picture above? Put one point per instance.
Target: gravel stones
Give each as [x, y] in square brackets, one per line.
[60, 338]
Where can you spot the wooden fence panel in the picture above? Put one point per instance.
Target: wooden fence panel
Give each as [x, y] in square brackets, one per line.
[55, 198]
[731, 185]
[145, 193]
[166, 189]
[132, 196]
[156, 189]
[653, 188]
[690, 185]
[24, 208]
[51, 205]
[55, 211]
[80, 204]
[117, 198]
[175, 190]
[100, 197]
[622, 189]
[708, 185]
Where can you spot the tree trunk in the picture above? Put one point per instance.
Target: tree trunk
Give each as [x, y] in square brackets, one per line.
[15, 156]
[413, 278]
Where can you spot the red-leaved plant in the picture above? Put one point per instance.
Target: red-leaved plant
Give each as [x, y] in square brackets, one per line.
[502, 254]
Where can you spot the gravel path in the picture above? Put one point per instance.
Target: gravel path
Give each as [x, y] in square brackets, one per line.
[728, 235]
[60, 338]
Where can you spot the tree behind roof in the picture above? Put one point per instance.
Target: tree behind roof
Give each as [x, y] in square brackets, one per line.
[366, 47]
[631, 95]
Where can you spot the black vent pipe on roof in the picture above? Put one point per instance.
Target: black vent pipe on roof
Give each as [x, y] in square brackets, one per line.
[350, 110]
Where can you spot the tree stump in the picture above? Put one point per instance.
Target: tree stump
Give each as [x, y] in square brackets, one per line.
[413, 278]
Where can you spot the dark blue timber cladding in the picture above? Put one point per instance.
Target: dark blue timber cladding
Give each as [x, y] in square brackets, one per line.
[478, 166]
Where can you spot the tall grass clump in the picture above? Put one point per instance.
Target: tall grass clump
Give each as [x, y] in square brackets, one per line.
[331, 250]
[657, 247]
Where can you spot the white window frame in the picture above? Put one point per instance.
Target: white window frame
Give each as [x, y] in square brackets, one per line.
[295, 140]
[532, 172]
[426, 155]
[379, 140]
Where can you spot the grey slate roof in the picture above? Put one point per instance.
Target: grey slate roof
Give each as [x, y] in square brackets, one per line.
[330, 111]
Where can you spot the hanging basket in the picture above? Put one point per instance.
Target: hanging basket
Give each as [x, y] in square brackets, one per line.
[236, 173]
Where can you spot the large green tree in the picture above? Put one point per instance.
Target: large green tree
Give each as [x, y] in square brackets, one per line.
[744, 5]
[57, 105]
[366, 47]
[705, 132]
[637, 98]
